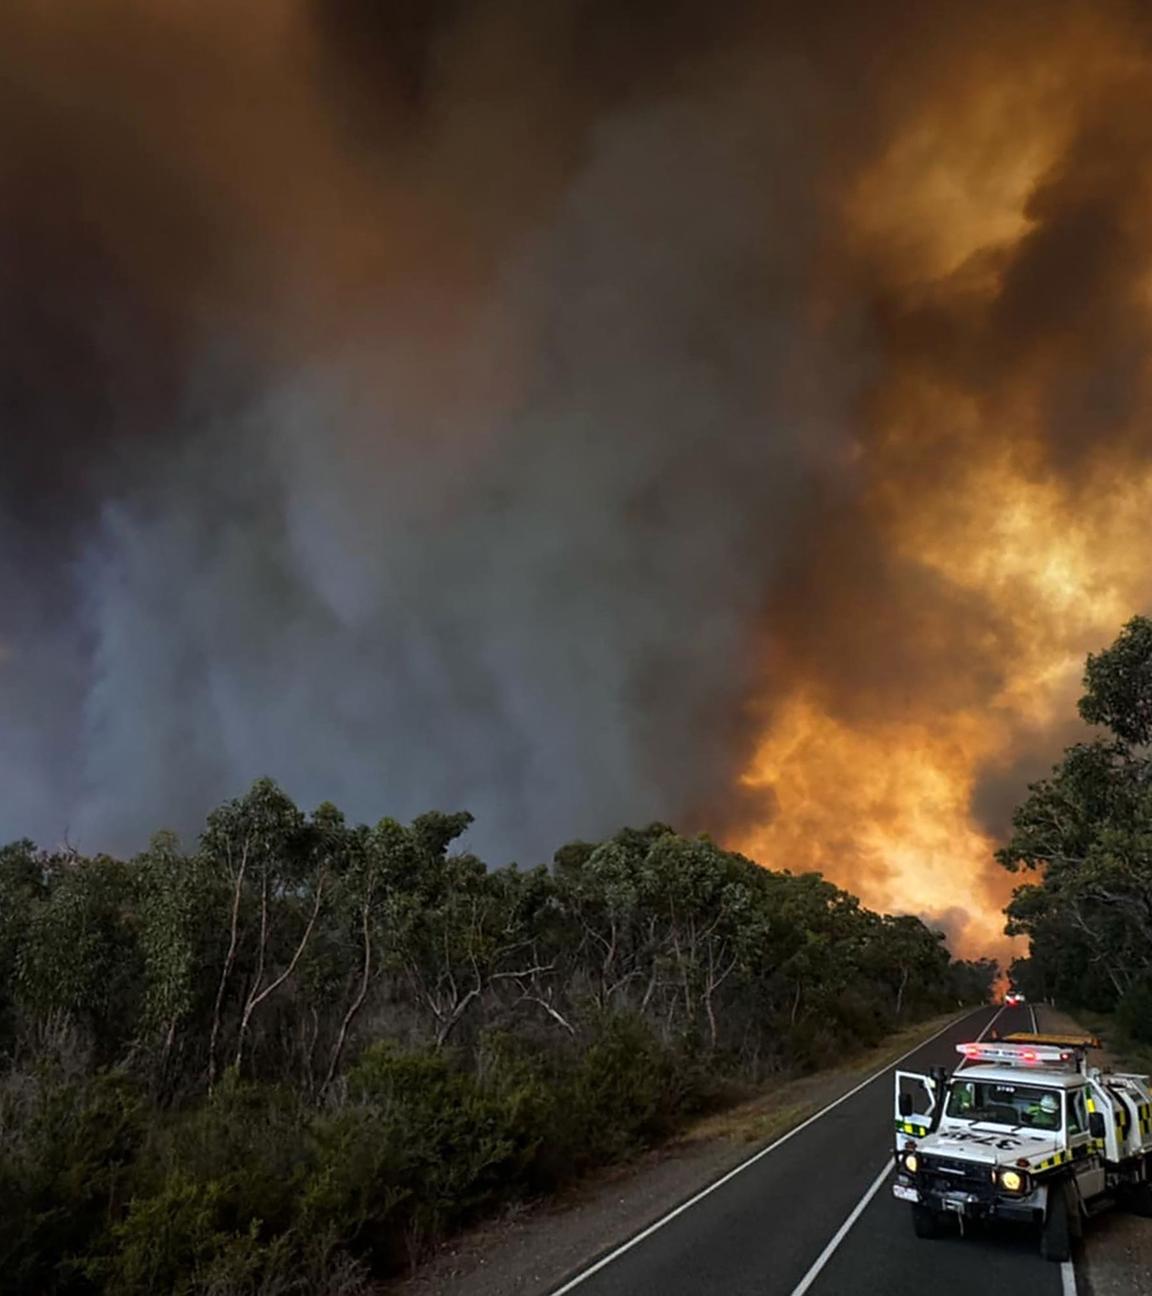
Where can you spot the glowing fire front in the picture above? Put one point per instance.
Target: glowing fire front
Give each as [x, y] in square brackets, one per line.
[1003, 467]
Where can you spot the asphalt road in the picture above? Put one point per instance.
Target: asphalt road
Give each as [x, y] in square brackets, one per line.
[798, 1221]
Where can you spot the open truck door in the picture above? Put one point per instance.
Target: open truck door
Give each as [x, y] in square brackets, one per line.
[914, 1105]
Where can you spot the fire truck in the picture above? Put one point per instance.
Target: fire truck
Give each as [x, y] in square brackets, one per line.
[1026, 1130]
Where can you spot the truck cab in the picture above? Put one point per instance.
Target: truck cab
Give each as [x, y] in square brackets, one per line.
[1023, 1130]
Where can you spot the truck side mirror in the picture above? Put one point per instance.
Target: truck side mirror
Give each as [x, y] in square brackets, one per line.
[906, 1105]
[1096, 1124]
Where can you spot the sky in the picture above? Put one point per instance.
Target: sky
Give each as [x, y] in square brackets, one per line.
[579, 414]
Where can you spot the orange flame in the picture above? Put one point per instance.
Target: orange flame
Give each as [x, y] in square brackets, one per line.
[1036, 562]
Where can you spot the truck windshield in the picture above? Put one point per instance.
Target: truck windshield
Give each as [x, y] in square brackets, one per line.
[1004, 1104]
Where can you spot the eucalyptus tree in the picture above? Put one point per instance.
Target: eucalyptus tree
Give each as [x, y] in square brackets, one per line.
[1085, 834]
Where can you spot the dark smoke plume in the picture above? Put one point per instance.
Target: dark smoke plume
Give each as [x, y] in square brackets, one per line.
[410, 405]
[530, 408]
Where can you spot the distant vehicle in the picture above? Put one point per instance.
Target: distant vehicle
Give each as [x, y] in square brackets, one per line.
[1013, 998]
[1023, 1130]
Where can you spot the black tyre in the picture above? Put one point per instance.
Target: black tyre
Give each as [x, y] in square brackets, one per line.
[925, 1222]
[1055, 1236]
[1075, 1217]
[1138, 1199]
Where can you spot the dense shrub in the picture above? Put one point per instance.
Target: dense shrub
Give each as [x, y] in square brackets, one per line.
[288, 1061]
[67, 1150]
[1134, 1011]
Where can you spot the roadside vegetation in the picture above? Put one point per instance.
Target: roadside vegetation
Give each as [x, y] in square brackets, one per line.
[1084, 838]
[1125, 1052]
[288, 1059]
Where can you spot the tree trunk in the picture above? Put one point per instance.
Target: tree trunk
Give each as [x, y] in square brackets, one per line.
[356, 1004]
[256, 999]
[227, 970]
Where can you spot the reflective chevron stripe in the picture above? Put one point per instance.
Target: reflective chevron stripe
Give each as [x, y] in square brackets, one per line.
[911, 1127]
[1100, 1143]
[1056, 1159]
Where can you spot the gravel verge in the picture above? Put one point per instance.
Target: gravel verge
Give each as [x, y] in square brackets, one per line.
[1116, 1258]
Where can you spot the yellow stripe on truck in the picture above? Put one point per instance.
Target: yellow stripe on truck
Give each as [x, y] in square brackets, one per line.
[1100, 1143]
[1056, 1159]
[907, 1127]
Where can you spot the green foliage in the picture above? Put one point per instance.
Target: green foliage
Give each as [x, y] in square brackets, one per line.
[626, 1090]
[420, 1145]
[174, 917]
[1085, 835]
[67, 1144]
[74, 959]
[215, 1196]
[22, 871]
[1134, 1011]
[1118, 685]
[973, 981]
[168, 1240]
[287, 1059]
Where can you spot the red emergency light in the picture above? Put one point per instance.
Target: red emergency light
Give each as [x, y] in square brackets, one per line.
[1016, 1054]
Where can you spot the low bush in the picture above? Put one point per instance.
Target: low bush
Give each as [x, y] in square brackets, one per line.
[287, 1062]
[67, 1151]
[1134, 1011]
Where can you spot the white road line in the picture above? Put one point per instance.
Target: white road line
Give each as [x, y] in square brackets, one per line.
[1035, 1028]
[842, 1232]
[971, 1061]
[858, 1210]
[667, 1219]
[990, 1024]
[1067, 1268]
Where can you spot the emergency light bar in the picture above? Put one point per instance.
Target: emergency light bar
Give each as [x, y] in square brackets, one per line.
[1061, 1041]
[1018, 1054]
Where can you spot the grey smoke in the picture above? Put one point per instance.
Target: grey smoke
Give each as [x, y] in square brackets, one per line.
[536, 595]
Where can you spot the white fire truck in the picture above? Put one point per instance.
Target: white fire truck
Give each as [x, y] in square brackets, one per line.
[1025, 1129]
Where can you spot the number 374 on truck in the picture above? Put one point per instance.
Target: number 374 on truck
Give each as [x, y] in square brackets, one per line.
[1024, 1130]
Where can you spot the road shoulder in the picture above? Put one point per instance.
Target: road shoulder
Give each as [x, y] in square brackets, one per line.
[529, 1251]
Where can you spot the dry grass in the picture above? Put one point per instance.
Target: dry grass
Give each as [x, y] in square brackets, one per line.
[792, 1099]
[1119, 1052]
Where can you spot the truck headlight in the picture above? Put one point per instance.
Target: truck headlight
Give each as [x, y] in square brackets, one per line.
[1013, 1181]
[911, 1163]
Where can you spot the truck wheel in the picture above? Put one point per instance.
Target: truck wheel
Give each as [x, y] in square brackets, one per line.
[1138, 1199]
[924, 1222]
[1075, 1217]
[1055, 1243]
